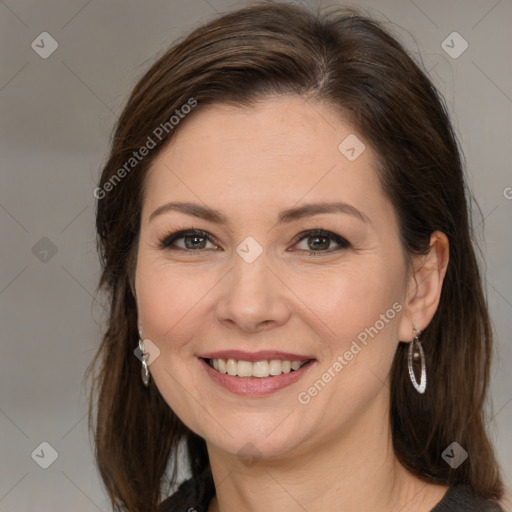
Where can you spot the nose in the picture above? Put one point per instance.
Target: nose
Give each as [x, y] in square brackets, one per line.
[253, 297]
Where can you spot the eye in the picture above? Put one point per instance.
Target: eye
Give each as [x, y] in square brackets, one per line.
[195, 239]
[320, 241]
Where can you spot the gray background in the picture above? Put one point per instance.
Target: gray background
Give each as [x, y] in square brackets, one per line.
[56, 118]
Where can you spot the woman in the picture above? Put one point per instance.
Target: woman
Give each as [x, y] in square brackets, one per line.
[284, 232]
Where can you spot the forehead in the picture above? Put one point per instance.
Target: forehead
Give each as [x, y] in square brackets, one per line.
[272, 155]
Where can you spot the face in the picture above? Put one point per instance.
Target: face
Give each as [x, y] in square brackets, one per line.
[264, 287]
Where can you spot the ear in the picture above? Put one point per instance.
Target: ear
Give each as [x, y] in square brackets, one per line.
[424, 285]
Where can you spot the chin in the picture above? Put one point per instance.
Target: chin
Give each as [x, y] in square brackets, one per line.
[258, 441]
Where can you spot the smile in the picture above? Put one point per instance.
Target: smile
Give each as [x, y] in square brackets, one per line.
[256, 369]
[255, 378]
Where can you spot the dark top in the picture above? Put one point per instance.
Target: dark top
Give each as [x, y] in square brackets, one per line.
[194, 495]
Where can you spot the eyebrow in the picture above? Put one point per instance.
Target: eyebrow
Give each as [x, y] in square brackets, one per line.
[284, 217]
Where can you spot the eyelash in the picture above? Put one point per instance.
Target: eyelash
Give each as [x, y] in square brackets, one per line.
[167, 241]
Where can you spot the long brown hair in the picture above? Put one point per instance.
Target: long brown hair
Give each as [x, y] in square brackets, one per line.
[351, 63]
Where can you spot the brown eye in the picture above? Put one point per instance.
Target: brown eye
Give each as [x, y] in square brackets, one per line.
[194, 240]
[319, 241]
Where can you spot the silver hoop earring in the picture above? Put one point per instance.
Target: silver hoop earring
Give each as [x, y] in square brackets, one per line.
[144, 369]
[420, 388]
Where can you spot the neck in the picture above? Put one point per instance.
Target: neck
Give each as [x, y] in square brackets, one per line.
[345, 473]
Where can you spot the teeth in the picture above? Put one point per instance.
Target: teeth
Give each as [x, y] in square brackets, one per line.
[275, 367]
[232, 367]
[260, 369]
[244, 369]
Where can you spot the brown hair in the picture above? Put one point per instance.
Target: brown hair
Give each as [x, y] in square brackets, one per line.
[351, 63]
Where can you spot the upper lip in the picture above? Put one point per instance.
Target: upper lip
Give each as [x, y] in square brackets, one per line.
[262, 355]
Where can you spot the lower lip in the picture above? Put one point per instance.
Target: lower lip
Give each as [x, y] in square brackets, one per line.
[255, 386]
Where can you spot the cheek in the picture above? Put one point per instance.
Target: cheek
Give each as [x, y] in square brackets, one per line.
[342, 301]
[164, 298]
[351, 297]
[357, 317]
[358, 310]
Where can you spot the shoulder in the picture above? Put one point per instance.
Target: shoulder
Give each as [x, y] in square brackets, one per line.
[193, 495]
[461, 498]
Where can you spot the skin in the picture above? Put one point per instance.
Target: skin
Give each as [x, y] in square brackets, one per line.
[334, 453]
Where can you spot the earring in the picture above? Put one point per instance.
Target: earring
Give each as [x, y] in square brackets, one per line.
[144, 369]
[420, 388]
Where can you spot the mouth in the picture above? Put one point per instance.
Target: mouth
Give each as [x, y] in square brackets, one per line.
[255, 369]
[257, 378]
